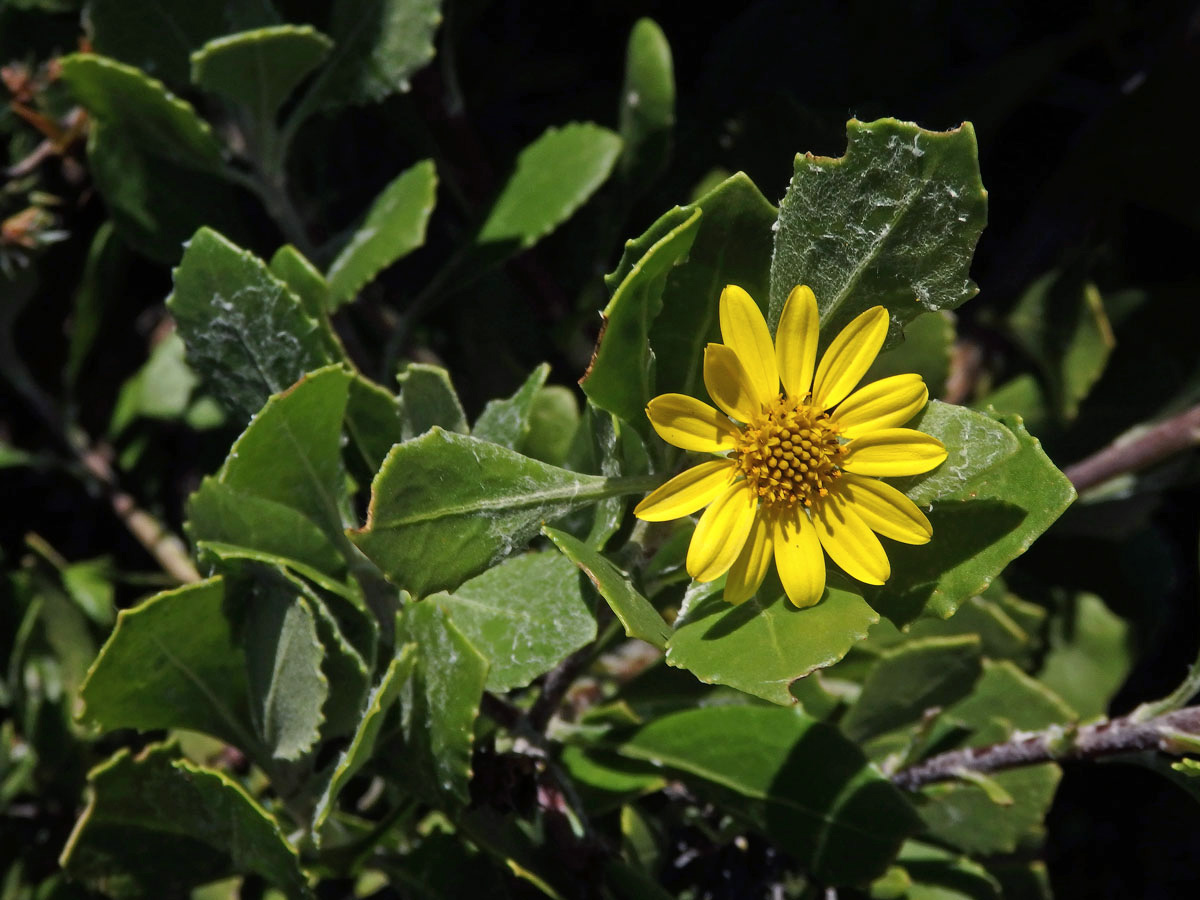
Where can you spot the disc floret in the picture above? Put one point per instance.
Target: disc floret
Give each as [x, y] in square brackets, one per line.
[789, 454]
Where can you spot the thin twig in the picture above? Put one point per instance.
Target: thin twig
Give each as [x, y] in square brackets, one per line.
[1169, 437]
[555, 687]
[1169, 733]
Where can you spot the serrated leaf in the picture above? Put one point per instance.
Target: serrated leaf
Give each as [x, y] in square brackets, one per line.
[347, 672]
[893, 222]
[159, 37]
[525, 616]
[378, 46]
[156, 204]
[291, 267]
[620, 378]
[173, 662]
[647, 111]
[765, 644]
[986, 505]
[291, 451]
[1089, 655]
[439, 704]
[445, 507]
[247, 334]
[506, 422]
[759, 762]
[126, 98]
[427, 399]
[394, 226]
[259, 69]
[732, 246]
[362, 745]
[909, 679]
[554, 176]
[641, 620]
[157, 825]
[284, 658]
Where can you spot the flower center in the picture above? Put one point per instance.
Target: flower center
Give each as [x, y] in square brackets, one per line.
[789, 453]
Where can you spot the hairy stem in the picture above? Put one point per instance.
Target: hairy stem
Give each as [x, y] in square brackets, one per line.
[1127, 455]
[1174, 732]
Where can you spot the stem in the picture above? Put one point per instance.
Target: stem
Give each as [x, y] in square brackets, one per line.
[272, 191]
[1126, 455]
[556, 685]
[167, 548]
[1168, 733]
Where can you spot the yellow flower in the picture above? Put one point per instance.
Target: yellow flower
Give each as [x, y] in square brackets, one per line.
[796, 467]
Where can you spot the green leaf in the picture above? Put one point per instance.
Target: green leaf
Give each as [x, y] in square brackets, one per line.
[525, 616]
[445, 507]
[102, 283]
[156, 204]
[147, 113]
[554, 176]
[647, 113]
[937, 874]
[605, 780]
[1089, 655]
[247, 335]
[621, 376]
[893, 222]
[1001, 636]
[291, 452]
[506, 422]
[374, 421]
[844, 826]
[1061, 323]
[160, 389]
[221, 515]
[910, 679]
[259, 69]
[641, 620]
[439, 705]
[732, 246]
[284, 658]
[765, 644]
[963, 815]
[291, 267]
[427, 399]
[345, 668]
[157, 825]
[378, 45]
[173, 662]
[394, 227]
[362, 745]
[988, 506]
[553, 421]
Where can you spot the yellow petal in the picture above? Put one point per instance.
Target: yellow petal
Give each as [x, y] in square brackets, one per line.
[796, 341]
[686, 492]
[691, 424]
[750, 568]
[729, 385]
[744, 331]
[891, 452]
[798, 558]
[721, 532]
[884, 509]
[849, 542]
[882, 404]
[849, 356]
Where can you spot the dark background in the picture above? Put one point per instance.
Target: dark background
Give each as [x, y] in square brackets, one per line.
[1085, 115]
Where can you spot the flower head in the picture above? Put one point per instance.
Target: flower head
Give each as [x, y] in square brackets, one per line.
[798, 455]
